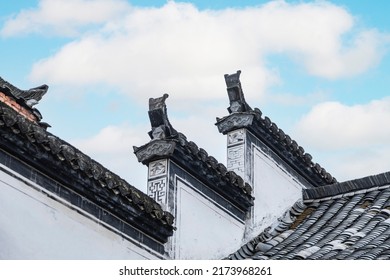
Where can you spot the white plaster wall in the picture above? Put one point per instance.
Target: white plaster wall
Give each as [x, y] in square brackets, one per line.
[204, 231]
[35, 226]
[275, 190]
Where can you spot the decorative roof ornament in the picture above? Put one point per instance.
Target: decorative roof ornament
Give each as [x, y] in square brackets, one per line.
[23, 101]
[235, 93]
[161, 127]
[31, 96]
[242, 116]
[40, 150]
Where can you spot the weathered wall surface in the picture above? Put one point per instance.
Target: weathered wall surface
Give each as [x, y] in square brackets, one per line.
[205, 229]
[275, 185]
[207, 225]
[275, 190]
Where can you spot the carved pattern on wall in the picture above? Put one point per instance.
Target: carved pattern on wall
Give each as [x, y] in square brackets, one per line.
[236, 159]
[157, 190]
[154, 148]
[235, 137]
[157, 168]
[235, 121]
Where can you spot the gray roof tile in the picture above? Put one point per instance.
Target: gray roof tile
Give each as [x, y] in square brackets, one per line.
[347, 220]
[242, 115]
[23, 133]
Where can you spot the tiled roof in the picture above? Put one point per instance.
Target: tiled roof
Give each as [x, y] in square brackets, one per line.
[213, 173]
[242, 115]
[48, 153]
[218, 168]
[196, 158]
[23, 101]
[167, 142]
[349, 220]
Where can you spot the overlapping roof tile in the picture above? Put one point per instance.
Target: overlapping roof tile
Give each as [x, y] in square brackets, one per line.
[243, 116]
[167, 142]
[20, 133]
[349, 220]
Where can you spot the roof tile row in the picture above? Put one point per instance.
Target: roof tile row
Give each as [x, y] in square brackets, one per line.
[68, 154]
[201, 155]
[354, 226]
[242, 115]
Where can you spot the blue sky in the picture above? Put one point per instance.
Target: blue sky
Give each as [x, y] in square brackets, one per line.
[318, 69]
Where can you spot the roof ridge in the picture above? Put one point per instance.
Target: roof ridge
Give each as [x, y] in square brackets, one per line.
[277, 228]
[179, 148]
[241, 115]
[165, 140]
[364, 184]
[24, 101]
[64, 151]
[212, 162]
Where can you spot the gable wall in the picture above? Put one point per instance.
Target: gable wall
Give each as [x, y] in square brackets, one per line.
[37, 224]
[207, 225]
[276, 186]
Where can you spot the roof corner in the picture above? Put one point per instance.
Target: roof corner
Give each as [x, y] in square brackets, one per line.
[23, 101]
[163, 135]
[241, 115]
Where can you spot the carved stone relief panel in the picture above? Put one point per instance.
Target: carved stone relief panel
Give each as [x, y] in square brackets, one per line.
[157, 168]
[157, 189]
[236, 159]
[235, 121]
[236, 151]
[153, 149]
[235, 137]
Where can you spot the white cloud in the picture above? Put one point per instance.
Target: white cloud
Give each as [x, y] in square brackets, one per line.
[354, 162]
[361, 162]
[63, 17]
[112, 147]
[182, 50]
[335, 126]
[351, 140]
[291, 99]
[113, 140]
[365, 51]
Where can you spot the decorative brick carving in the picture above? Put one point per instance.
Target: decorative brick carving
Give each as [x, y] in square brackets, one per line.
[236, 137]
[157, 168]
[154, 149]
[234, 121]
[236, 159]
[157, 190]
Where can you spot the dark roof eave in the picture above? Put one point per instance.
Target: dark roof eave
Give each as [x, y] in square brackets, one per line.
[202, 166]
[59, 160]
[279, 142]
[214, 175]
[365, 183]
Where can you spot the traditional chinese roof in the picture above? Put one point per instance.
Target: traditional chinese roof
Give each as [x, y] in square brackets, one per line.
[166, 142]
[349, 220]
[23, 101]
[243, 116]
[27, 141]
